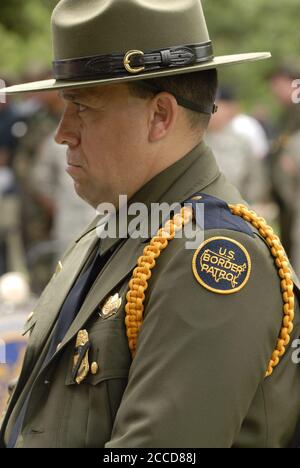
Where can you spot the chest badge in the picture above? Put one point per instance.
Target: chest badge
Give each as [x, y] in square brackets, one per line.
[81, 364]
[222, 265]
[111, 306]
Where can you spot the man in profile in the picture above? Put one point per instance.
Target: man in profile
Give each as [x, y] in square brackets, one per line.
[145, 343]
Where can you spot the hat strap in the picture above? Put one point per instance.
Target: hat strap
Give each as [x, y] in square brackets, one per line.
[181, 101]
[133, 62]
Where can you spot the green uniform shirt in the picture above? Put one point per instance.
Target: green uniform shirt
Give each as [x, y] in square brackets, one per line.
[198, 377]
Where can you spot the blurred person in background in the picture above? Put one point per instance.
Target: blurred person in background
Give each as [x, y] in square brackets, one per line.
[238, 152]
[43, 112]
[251, 129]
[281, 83]
[16, 302]
[283, 178]
[263, 114]
[12, 257]
[288, 176]
[54, 190]
[9, 115]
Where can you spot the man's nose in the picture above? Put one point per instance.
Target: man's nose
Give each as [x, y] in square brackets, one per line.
[66, 131]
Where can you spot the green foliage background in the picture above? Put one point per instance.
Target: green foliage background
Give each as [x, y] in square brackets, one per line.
[234, 25]
[252, 26]
[24, 34]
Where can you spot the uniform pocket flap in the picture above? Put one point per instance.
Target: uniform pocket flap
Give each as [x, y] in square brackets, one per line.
[109, 356]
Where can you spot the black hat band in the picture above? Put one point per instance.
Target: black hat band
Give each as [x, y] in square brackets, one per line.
[133, 62]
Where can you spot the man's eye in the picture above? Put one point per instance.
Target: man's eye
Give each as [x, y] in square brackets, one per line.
[80, 107]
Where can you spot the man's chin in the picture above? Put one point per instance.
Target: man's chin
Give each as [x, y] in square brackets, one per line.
[82, 194]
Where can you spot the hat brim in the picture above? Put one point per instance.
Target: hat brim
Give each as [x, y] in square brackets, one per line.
[55, 85]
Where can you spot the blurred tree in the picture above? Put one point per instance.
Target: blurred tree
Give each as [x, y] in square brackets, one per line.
[257, 25]
[14, 17]
[235, 26]
[24, 34]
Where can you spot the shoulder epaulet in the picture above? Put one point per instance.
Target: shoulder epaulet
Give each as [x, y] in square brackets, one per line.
[217, 214]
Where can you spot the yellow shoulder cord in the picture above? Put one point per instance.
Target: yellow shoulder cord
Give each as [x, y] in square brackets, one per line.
[142, 273]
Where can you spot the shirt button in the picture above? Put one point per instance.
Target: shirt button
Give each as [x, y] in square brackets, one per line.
[94, 368]
[59, 268]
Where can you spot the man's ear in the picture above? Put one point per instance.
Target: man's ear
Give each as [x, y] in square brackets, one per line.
[163, 116]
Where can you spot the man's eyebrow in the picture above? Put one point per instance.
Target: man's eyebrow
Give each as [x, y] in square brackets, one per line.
[70, 96]
[81, 97]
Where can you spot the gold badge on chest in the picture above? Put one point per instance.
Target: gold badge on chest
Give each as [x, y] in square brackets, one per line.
[111, 306]
[81, 366]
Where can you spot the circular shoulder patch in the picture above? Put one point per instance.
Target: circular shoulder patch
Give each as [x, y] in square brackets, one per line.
[222, 265]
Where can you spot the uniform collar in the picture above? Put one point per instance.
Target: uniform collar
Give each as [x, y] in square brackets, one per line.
[179, 182]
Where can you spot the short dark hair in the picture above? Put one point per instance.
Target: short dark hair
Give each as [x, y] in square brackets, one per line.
[198, 87]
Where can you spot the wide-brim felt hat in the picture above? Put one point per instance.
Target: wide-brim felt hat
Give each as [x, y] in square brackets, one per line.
[98, 42]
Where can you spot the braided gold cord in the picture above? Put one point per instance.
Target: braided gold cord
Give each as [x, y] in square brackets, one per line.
[142, 273]
[285, 274]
